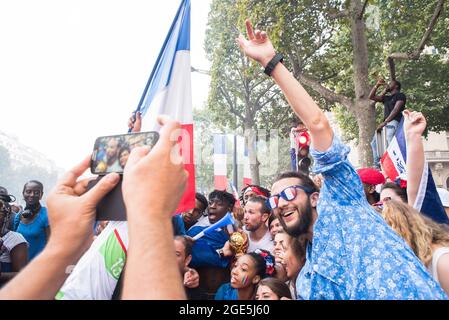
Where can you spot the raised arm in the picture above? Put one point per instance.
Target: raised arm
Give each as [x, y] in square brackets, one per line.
[372, 94]
[259, 48]
[414, 125]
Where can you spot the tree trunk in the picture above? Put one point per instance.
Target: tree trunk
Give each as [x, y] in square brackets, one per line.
[364, 112]
[366, 120]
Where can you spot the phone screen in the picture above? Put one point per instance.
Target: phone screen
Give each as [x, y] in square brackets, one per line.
[111, 152]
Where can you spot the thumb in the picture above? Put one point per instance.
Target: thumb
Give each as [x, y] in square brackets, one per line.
[136, 154]
[102, 188]
[406, 113]
[241, 41]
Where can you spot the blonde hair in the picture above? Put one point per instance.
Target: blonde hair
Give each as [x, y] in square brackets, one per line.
[417, 230]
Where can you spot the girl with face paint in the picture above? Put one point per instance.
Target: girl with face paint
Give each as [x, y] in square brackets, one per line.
[32, 223]
[246, 273]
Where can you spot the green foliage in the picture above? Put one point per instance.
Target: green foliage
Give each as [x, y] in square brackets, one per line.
[322, 47]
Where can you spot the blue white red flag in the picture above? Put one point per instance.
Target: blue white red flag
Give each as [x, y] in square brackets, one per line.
[236, 195]
[394, 163]
[220, 165]
[168, 91]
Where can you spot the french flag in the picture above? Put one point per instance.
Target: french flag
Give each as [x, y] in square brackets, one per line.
[394, 163]
[168, 91]
[246, 167]
[236, 195]
[220, 168]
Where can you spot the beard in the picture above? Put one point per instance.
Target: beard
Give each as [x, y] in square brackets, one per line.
[253, 228]
[302, 225]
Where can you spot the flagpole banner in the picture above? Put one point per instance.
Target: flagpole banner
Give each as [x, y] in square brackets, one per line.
[220, 164]
[169, 92]
[246, 167]
[394, 164]
[236, 195]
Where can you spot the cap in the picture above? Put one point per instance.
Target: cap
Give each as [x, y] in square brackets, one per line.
[371, 176]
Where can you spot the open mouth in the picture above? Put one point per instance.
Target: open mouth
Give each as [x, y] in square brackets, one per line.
[287, 214]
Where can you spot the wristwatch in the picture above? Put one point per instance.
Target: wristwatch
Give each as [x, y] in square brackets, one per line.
[272, 64]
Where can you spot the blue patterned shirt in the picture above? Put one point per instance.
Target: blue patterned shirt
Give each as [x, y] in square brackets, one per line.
[354, 253]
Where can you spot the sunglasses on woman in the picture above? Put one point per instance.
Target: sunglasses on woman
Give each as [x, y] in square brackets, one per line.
[287, 194]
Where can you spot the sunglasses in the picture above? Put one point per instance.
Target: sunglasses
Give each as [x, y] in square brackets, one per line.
[287, 194]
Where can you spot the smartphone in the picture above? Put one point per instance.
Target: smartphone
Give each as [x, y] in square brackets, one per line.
[111, 153]
[111, 207]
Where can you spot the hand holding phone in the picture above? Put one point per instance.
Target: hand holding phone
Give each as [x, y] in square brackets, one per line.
[156, 179]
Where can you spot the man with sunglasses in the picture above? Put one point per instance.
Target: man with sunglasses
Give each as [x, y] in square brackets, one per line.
[351, 252]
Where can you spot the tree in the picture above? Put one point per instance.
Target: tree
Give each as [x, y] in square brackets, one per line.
[334, 51]
[240, 96]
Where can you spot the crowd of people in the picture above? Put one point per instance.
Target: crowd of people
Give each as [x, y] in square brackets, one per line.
[341, 234]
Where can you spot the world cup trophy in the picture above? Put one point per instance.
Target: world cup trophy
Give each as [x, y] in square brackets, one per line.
[239, 242]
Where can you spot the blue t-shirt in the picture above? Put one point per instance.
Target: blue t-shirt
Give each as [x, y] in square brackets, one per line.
[226, 292]
[34, 232]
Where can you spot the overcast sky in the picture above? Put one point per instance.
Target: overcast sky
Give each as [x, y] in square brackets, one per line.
[73, 70]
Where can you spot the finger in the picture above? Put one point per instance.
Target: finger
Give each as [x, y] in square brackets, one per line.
[167, 136]
[81, 186]
[263, 35]
[249, 29]
[69, 178]
[257, 34]
[94, 195]
[406, 113]
[138, 119]
[136, 154]
[241, 41]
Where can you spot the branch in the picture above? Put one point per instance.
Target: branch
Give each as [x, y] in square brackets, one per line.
[362, 12]
[414, 55]
[231, 105]
[338, 14]
[333, 75]
[260, 106]
[392, 68]
[324, 92]
[258, 83]
[282, 120]
[264, 92]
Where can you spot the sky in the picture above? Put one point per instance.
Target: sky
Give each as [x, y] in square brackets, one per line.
[73, 70]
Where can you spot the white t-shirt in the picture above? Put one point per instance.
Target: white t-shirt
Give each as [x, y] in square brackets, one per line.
[265, 243]
[10, 241]
[96, 274]
[437, 254]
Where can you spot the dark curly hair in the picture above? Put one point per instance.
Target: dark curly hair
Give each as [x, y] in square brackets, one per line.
[223, 196]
